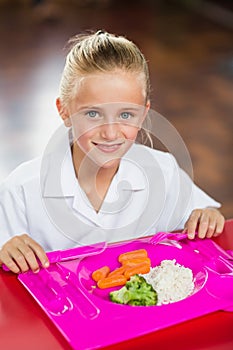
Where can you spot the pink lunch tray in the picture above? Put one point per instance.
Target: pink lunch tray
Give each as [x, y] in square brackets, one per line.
[86, 317]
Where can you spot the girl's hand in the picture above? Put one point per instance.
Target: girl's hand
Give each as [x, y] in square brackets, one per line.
[207, 222]
[22, 253]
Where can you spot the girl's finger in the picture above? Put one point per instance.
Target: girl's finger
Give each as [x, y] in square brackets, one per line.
[29, 257]
[17, 258]
[192, 223]
[38, 251]
[210, 231]
[7, 260]
[203, 224]
[219, 225]
[212, 226]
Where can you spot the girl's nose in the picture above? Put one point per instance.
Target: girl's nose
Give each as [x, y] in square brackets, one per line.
[110, 131]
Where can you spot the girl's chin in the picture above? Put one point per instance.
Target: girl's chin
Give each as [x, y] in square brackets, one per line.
[107, 164]
[106, 160]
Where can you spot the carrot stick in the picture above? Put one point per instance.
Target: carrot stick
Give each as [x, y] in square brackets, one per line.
[135, 262]
[114, 281]
[141, 268]
[100, 273]
[118, 271]
[134, 254]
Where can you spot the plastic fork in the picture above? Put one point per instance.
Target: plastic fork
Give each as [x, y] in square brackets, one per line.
[76, 253]
[161, 236]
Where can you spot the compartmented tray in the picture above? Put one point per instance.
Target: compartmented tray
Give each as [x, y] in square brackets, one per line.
[89, 320]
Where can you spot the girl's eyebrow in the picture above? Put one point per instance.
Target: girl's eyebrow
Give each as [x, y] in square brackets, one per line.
[90, 107]
[121, 108]
[132, 108]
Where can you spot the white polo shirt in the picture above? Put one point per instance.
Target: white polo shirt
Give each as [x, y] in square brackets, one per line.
[43, 198]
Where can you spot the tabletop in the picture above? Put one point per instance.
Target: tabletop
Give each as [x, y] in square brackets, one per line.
[24, 325]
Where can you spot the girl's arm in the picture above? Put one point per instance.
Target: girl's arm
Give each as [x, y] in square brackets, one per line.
[18, 251]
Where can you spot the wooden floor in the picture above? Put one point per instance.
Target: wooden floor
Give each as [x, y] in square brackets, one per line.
[191, 63]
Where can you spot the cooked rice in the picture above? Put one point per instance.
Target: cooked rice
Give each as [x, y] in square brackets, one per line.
[171, 281]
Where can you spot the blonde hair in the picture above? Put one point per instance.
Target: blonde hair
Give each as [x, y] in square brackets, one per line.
[101, 52]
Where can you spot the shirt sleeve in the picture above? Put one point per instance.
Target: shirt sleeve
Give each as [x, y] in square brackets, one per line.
[13, 219]
[183, 197]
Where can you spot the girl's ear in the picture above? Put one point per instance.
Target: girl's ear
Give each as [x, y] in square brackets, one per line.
[63, 113]
[147, 108]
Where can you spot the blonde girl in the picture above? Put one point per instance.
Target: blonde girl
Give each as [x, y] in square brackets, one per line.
[95, 182]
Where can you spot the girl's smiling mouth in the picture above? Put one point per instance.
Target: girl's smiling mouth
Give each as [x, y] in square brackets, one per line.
[108, 147]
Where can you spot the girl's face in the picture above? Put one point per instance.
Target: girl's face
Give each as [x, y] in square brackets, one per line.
[106, 113]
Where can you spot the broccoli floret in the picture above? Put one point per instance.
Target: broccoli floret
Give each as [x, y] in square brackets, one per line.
[136, 292]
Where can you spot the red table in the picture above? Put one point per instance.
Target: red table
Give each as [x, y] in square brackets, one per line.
[23, 324]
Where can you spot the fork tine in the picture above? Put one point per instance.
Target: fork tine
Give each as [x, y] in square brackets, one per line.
[160, 236]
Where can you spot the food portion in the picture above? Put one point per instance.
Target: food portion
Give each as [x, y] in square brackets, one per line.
[132, 263]
[100, 273]
[172, 281]
[134, 254]
[112, 281]
[136, 292]
[142, 284]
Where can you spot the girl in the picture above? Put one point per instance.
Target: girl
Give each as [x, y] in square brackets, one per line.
[94, 183]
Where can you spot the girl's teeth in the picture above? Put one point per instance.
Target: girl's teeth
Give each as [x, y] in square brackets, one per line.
[108, 148]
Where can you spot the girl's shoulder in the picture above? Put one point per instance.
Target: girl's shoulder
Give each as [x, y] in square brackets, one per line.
[23, 173]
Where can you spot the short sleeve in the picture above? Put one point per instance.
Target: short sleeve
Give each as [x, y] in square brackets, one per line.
[183, 196]
[12, 213]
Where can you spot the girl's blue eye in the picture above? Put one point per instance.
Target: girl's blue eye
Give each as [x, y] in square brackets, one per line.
[126, 115]
[92, 114]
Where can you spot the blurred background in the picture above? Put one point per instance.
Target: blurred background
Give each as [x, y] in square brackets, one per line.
[189, 47]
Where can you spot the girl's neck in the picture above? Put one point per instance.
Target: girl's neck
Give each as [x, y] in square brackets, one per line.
[93, 179]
